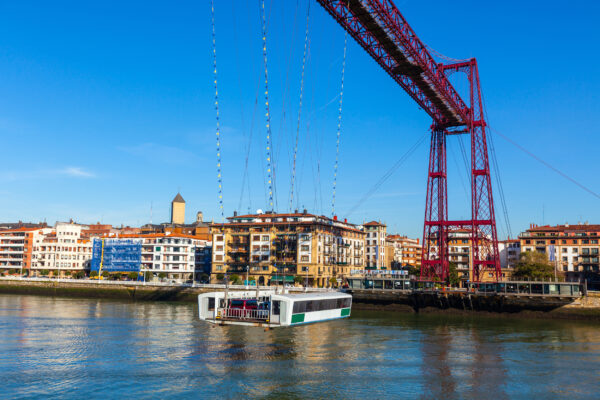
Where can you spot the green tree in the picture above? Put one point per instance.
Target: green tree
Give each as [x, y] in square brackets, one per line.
[44, 272]
[148, 276]
[93, 274]
[204, 277]
[235, 279]
[162, 275]
[333, 281]
[105, 274]
[298, 279]
[12, 271]
[133, 275]
[79, 274]
[220, 277]
[533, 265]
[68, 273]
[413, 270]
[453, 279]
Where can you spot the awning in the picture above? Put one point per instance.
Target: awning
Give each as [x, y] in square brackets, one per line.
[279, 278]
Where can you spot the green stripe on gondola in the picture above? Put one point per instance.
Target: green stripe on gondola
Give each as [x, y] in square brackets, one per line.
[345, 312]
[297, 318]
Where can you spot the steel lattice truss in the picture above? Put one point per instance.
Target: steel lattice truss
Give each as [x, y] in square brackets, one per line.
[382, 31]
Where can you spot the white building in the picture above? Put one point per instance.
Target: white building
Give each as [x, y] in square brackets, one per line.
[63, 249]
[176, 256]
[510, 251]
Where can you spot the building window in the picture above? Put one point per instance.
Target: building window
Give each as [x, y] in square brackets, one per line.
[304, 259]
[256, 238]
[265, 238]
[304, 247]
[218, 257]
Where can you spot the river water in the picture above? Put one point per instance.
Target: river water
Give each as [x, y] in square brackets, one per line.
[87, 349]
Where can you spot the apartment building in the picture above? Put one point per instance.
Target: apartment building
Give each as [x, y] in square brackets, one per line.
[273, 248]
[407, 251]
[174, 257]
[178, 257]
[62, 250]
[573, 249]
[375, 244]
[16, 248]
[510, 251]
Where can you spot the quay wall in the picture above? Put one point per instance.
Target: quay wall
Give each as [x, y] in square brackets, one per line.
[583, 307]
[88, 289]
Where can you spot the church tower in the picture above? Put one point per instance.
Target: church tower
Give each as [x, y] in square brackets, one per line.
[178, 210]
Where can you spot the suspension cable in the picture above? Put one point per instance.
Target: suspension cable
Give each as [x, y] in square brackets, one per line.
[339, 127]
[548, 165]
[443, 57]
[497, 172]
[500, 186]
[299, 109]
[218, 128]
[388, 174]
[269, 150]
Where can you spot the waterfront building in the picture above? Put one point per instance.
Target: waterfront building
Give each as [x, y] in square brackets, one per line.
[272, 248]
[406, 251]
[61, 251]
[174, 257]
[375, 244]
[573, 249]
[16, 248]
[509, 251]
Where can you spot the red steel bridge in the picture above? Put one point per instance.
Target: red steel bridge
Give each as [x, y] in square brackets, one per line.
[382, 31]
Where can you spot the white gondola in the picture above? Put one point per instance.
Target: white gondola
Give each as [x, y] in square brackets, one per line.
[271, 309]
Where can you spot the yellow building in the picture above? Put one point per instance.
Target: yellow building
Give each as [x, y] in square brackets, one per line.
[273, 248]
[178, 210]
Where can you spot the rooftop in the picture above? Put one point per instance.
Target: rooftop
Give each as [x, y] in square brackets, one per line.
[178, 199]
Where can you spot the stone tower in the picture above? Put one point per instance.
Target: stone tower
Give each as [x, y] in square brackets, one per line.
[178, 210]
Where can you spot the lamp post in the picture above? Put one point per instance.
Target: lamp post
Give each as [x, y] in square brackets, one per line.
[247, 282]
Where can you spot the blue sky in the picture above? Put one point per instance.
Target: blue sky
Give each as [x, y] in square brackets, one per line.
[107, 108]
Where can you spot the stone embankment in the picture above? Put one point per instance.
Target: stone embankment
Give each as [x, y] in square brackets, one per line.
[105, 290]
[576, 307]
[579, 307]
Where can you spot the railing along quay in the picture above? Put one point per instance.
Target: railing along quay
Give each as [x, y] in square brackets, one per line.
[516, 288]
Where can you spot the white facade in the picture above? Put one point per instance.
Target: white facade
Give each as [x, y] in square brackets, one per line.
[62, 248]
[175, 255]
[375, 245]
[509, 251]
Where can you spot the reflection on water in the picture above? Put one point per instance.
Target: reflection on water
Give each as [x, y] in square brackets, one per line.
[74, 348]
